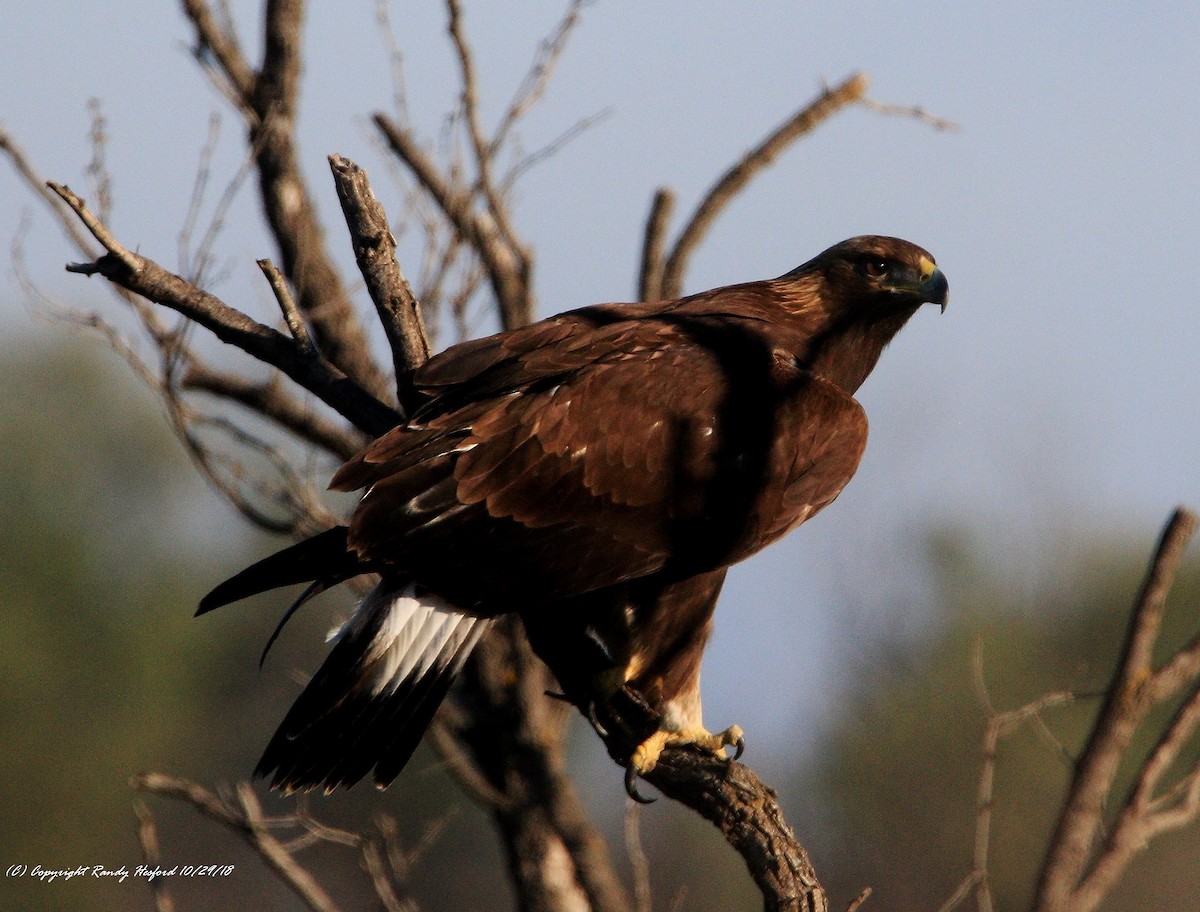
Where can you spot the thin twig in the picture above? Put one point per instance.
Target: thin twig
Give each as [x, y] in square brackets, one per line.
[287, 304]
[395, 59]
[377, 870]
[654, 242]
[859, 900]
[643, 898]
[195, 267]
[242, 814]
[38, 184]
[999, 726]
[533, 86]
[221, 44]
[97, 169]
[291, 872]
[148, 839]
[915, 112]
[552, 148]
[484, 152]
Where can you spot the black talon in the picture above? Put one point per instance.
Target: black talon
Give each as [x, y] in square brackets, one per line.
[739, 747]
[590, 712]
[631, 777]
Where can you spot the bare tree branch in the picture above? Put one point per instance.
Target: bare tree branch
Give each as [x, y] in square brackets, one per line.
[267, 100]
[222, 44]
[654, 242]
[375, 251]
[508, 266]
[38, 184]
[247, 821]
[733, 181]
[146, 278]
[533, 87]
[287, 305]
[1073, 878]
[915, 112]
[268, 398]
[148, 839]
[747, 813]
[999, 726]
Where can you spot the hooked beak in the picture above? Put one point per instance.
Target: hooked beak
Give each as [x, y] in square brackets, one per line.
[934, 288]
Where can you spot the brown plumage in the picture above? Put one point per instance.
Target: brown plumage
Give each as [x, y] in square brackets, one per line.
[595, 473]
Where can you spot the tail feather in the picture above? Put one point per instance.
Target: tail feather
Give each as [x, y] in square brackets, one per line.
[369, 703]
[324, 557]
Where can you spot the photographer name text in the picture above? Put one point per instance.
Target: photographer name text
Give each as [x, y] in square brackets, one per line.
[120, 875]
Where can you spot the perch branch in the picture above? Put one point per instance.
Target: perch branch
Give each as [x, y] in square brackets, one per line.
[731, 797]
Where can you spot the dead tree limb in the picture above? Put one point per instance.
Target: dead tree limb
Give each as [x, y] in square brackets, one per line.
[753, 163]
[375, 251]
[246, 820]
[1082, 863]
[144, 277]
[267, 99]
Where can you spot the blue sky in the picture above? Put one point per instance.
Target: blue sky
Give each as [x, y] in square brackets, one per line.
[1056, 398]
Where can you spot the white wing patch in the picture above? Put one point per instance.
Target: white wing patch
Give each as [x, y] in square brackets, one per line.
[417, 635]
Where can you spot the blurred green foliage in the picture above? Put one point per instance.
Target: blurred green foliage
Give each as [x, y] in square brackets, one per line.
[107, 539]
[897, 780]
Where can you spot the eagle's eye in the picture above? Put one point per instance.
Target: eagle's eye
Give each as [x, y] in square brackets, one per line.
[875, 267]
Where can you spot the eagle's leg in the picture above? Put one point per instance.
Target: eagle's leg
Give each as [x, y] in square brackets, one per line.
[645, 756]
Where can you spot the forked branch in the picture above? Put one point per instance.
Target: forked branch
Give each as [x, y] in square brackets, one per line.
[144, 277]
[1082, 863]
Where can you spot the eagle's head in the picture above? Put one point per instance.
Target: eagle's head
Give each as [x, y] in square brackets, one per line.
[853, 298]
[872, 273]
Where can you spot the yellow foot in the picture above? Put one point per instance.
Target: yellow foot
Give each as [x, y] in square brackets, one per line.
[645, 757]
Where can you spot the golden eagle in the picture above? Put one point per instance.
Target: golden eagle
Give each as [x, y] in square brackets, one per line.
[595, 474]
